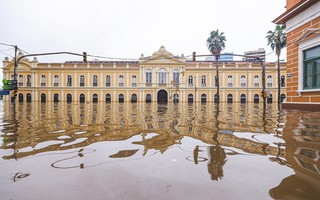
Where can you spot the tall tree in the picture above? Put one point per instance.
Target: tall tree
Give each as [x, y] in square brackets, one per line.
[277, 40]
[216, 43]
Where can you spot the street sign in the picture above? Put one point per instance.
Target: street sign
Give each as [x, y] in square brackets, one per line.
[4, 92]
[10, 84]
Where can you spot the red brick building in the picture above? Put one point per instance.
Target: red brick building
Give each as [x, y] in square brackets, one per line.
[302, 20]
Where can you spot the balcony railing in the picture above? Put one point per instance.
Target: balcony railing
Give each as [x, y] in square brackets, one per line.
[28, 84]
[55, 84]
[43, 84]
[134, 84]
[108, 84]
[20, 83]
[256, 84]
[95, 84]
[269, 85]
[190, 85]
[203, 85]
[121, 84]
[81, 84]
[230, 84]
[243, 85]
[69, 84]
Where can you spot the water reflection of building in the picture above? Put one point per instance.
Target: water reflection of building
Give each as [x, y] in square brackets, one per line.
[158, 77]
[60, 126]
[302, 136]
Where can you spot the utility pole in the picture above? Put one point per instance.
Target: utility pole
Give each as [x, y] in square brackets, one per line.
[13, 98]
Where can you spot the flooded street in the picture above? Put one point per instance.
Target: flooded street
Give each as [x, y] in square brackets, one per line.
[158, 151]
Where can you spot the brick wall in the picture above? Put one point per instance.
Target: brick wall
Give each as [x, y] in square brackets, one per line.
[291, 3]
[292, 66]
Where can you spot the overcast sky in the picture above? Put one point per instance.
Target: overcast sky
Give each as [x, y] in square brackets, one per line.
[128, 28]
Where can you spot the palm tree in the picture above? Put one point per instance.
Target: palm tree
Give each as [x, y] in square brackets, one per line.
[277, 39]
[216, 43]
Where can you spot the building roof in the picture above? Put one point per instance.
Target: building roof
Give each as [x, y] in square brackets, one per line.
[293, 11]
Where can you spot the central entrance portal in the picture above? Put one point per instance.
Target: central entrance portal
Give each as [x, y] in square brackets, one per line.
[162, 96]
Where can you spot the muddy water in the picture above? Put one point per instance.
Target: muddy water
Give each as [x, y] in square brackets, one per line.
[151, 151]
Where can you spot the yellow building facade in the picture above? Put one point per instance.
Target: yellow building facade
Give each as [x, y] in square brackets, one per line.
[160, 77]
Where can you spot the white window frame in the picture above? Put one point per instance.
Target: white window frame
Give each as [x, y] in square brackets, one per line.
[305, 45]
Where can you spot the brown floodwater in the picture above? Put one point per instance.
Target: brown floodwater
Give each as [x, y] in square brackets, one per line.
[158, 151]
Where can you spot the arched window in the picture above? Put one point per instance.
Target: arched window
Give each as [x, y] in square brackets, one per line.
[203, 81]
[134, 81]
[69, 81]
[190, 98]
[148, 76]
[82, 81]
[176, 76]
[121, 98]
[203, 98]
[269, 81]
[56, 97]
[95, 81]
[190, 81]
[121, 81]
[43, 98]
[28, 80]
[56, 81]
[28, 98]
[69, 98]
[283, 81]
[230, 98]
[175, 98]
[256, 98]
[215, 98]
[230, 81]
[43, 80]
[256, 81]
[82, 98]
[243, 98]
[134, 98]
[20, 97]
[282, 97]
[269, 99]
[148, 98]
[108, 81]
[243, 81]
[20, 80]
[108, 98]
[94, 98]
[162, 76]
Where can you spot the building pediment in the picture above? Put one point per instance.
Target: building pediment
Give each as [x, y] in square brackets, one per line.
[25, 66]
[162, 56]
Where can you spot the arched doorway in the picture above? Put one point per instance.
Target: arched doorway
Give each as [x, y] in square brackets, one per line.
[69, 98]
[175, 98]
[82, 98]
[28, 98]
[148, 98]
[20, 97]
[282, 97]
[190, 98]
[108, 98]
[56, 97]
[134, 98]
[203, 98]
[256, 98]
[43, 98]
[121, 98]
[94, 98]
[269, 99]
[162, 96]
[229, 98]
[243, 98]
